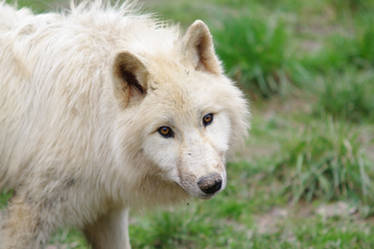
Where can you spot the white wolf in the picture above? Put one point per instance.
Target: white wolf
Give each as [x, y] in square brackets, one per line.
[102, 109]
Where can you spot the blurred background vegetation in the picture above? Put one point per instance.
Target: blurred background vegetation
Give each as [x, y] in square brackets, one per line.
[305, 176]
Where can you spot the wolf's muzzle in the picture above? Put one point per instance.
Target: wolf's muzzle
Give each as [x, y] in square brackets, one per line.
[210, 184]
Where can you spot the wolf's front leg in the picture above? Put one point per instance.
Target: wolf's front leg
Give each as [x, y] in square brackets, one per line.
[110, 231]
[23, 225]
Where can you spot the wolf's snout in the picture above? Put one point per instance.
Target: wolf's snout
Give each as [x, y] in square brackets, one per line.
[210, 184]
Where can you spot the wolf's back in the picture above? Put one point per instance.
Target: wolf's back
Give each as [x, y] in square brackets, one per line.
[10, 19]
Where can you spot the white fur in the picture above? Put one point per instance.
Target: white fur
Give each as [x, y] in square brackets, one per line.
[78, 150]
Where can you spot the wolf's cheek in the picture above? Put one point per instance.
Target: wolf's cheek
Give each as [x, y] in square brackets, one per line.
[219, 132]
[164, 154]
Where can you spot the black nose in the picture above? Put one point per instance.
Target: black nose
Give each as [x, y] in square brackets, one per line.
[210, 184]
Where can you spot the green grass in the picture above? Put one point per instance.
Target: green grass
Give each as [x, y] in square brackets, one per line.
[308, 67]
[342, 51]
[352, 5]
[37, 6]
[347, 96]
[254, 52]
[4, 198]
[325, 162]
[333, 233]
[69, 239]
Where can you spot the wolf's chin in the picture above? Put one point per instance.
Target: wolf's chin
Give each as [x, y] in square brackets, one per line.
[198, 194]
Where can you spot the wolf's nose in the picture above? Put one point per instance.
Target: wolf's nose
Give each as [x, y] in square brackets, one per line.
[210, 184]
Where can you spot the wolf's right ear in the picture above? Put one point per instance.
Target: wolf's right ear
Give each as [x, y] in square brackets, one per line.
[199, 49]
[130, 78]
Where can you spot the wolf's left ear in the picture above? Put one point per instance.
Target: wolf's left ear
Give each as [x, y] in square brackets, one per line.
[199, 48]
[130, 77]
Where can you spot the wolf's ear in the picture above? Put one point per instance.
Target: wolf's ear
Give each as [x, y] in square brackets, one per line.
[199, 48]
[130, 78]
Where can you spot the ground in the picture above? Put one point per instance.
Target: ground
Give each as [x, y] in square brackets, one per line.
[304, 178]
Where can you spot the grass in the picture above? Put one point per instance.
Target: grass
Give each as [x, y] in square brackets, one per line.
[325, 162]
[4, 197]
[348, 96]
[37, 6]
[342, 51]
[254, 51]
[69, 239]
[308, 67]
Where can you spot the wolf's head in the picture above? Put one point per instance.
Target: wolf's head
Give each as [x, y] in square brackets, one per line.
[181, 114]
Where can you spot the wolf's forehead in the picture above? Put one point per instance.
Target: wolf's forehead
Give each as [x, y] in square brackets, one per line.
[176, 96]
[178, 100]
[181, 89]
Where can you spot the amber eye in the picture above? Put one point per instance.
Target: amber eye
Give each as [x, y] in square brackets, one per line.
[166, 132]
[208, 119]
